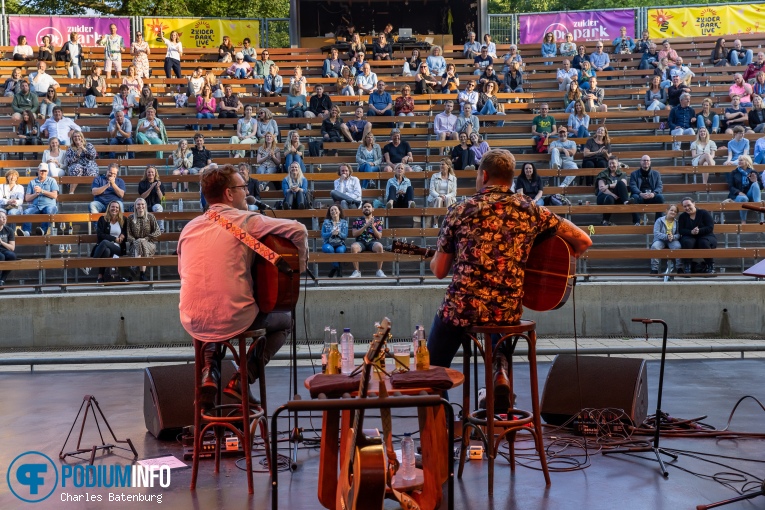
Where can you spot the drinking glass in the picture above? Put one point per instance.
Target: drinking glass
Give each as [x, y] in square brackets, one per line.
[401, 355]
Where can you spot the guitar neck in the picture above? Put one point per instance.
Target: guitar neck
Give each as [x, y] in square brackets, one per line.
[358, 418]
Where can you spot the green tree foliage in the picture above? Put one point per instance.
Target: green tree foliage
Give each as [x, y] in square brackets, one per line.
[202, 8]
[518, 6]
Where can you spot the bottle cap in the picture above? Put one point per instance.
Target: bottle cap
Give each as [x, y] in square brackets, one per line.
[347, 330]
[407, 434]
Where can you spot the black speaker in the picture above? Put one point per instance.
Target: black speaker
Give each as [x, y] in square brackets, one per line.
[602, 382]
[168, 397]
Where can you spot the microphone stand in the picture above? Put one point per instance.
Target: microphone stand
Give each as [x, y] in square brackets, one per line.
[656, 449]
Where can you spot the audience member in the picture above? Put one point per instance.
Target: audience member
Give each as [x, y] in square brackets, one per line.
[151, 131]
[111, 236]
[530, 184]
[696, 228]
[334, 231]
[41, 195]
[611, 187]
[467, 123]
[48, 102]
[480, 63]
[599, 59]
[356, 129]
[511, 56]
[568, 47]
[739, 55]
[95, 87]
[107, 188]
[399, 192]
[436, 62]
[346, 83]
[206, 106]
[666, 236]
[681, 119]
[471, 48]
[549, 47]
[572, 96]
[703, 151]
[23, 51]
[462, 156]
[357, 46]
[579, 121]
[12, 194]
[124, 102]
[297, 78]
[445, 123]
[293, 150]
[743, 184]
[593, 97]
[585, 73]
[490, 45]
[566, 75]
[273, 83]
[562, 152]
[59, 127]
[226, 50]
[644, 42]
[489, 75]
[172, 55]
[347, 189]
[253, 188]
[656, 97]
[142, 235]
[443, 185]
[759, 153]
[367, 80]
[24, 100]
[380, 102]
[707, 118]
[624, 44]
[263, 67]
[735, 115]
[146, 101]
[267, 124]
[200, 156]
[368, 231]
[41, 80]
[151, 189]
[330, 127]
[738, 146]
[120, 132]
[27, 132]
[596, 152]
[468, 98]
[12, 85]
[295, 188]
[755, 67]
[250, 53]
[424, 81]
[183, 162]
[645, 186]
[80, 159]
[239, 69]
[667, 52]
[650, 58]
[381, 50]
[133, 82]
[296, 105]
[113, 45]
[7, 246]
[332, 64]
[742, 89]
[580, 58]
[229, 105]
[756, 115]
[369, 156]
[269, 156]
[358, 66]
[543, 124]
[513, 79]
[450, 82]
[478, 146]
[719, 56]
[397, 150]
[319, 105]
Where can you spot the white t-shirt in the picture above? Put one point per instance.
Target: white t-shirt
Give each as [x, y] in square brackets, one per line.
[115, 229]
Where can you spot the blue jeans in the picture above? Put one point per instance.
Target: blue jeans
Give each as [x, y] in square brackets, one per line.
[759, 159]
[582, 132]
[328, 248]
[752, 195]
[326, 72]
[290, 158]
[240, 74]
[489, 109]
[518, 90]
[400, 201]
[121, 141]
[294, 200]
[33, 209]
[715, 122]
[736, 61]
[367, 167]
[205, 116]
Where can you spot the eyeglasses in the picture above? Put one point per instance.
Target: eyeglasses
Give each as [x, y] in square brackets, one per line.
[243, 187]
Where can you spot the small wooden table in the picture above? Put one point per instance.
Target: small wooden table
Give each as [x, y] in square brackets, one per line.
[433, 441]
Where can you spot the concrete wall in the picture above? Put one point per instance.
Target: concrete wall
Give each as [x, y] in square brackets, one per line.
[691, 308]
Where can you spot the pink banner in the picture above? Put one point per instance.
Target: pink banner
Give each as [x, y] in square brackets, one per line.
[585, 25]
[89, 30]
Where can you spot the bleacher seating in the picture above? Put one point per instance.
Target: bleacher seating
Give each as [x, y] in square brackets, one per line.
[620, 249]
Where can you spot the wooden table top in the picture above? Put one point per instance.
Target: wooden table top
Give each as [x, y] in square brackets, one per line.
[374, 385]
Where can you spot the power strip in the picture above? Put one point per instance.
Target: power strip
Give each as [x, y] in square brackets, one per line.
[599, 422]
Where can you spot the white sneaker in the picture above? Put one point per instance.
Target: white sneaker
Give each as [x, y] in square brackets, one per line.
[379, 274]
[356, 274]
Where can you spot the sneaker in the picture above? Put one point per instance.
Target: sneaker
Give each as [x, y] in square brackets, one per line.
[380, 274]
[631, 201]
[39, 231]
[412, 204]
[372, 184]
[356, 274]
[389, 205]
[20, 233]
[637, 224]
[85, 270]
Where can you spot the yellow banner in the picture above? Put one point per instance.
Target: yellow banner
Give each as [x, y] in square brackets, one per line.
[201, 33]
[713, 20]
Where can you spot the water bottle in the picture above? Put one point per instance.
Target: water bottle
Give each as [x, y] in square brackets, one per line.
[180, 205]
[346, 342]
[325, 350]
[408, 471]
[417, 335]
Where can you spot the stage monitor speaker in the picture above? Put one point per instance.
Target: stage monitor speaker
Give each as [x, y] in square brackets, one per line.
[168, 397]
[602, 382]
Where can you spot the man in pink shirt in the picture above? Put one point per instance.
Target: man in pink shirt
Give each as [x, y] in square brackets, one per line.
[217, 299]
[742, 89]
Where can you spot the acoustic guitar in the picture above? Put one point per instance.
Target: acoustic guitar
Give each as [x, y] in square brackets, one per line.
[277, 286]
[550, 271]
[363, 477]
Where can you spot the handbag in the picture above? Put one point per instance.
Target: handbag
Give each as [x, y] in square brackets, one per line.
[335, 241]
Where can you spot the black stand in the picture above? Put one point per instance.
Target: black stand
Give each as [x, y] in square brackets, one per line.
[743, 497]
[296, 437]
[92, 405]
[659, 415]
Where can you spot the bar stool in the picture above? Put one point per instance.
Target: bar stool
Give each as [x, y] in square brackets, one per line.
[480, 337]
[240, 418]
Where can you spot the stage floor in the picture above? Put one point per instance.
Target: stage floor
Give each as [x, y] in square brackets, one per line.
[38, 410]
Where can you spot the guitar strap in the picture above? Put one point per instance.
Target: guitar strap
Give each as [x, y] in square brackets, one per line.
[249, 241]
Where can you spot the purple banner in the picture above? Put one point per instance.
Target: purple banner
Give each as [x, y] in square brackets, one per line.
[585, 25]
[89, 30]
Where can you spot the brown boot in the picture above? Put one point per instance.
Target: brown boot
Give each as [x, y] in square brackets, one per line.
[501, 384]
[210, 375]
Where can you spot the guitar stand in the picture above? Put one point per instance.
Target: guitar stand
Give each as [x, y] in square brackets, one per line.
[92, 405]
[656, 449]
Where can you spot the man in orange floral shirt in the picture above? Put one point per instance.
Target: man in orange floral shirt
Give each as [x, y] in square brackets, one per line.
[486, 241]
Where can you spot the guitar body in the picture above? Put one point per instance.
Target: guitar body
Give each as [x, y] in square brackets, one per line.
[365, 489]
[276, 291]
[549, 275]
